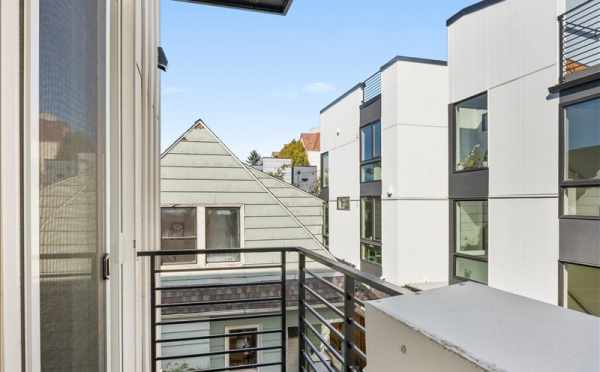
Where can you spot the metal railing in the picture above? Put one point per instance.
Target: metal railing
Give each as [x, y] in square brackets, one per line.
[328, 297]
[579, 38]
[372, 87]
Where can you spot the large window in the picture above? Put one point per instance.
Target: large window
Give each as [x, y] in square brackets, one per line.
[222, 232]
[471, 240]
[370, 152]
[370, 229]
[324, 170]
[471, 127]
[178, 232]
[582, 288]
[581, 159]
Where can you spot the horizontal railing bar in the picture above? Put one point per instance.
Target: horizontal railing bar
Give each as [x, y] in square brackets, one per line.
[222, 335]
[325, 281]
[213, 353]
[578, 9]
[358, 325]
[358, 351]
[324, 301]
[226, 268]
[220, 302]
[589, 52]
[310, 361]
[582, 14]
[320, 337]
[372, 281]
[217, 319]
[217, 285]
[237, 368]
[324, 321]
[186, 252]
[318, 353]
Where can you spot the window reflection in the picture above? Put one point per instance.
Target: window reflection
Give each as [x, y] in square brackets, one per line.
[471, 133]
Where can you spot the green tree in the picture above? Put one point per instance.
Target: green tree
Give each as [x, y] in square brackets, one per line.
[254, 158]
[295, 151]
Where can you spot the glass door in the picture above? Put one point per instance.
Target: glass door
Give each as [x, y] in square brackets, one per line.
[71, 133]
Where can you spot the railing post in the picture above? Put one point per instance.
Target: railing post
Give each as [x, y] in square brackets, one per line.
[561, 30]
[301, 299]
[283, 313]
[348, 322]
[153, 313]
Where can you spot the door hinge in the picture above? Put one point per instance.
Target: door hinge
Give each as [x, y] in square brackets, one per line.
[106, 266]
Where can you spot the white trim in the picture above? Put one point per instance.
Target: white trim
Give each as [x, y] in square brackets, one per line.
[10, 193]
[31, 190]
[258, 328]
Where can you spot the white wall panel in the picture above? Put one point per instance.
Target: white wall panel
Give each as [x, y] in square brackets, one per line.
[415, 241]
[523, 137]
[500, 43]
[523, 247]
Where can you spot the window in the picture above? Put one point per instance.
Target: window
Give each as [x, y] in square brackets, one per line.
[581, 159]
[326, 224]
[370, 152]
[471, 240]
[582, 288]
[370, 229]
[222, 232]
[178, 232]
[324, 170]
[370, 212]
[242, 340]
[471, 126]
[343, 203]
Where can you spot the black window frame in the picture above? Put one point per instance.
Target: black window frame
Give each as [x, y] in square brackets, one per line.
[325, 228]
[371, 242]
[373, 160]
[453, 248]
[343, 203]
[453, 134]
[322, 178]
[568, 184]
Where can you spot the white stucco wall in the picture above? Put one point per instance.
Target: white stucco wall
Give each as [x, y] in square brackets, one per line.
[340, 137]
[510, 50]
[415, 173]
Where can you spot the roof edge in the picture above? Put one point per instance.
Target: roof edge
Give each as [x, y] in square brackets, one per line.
[471, 9]
[428, 61]
[346, 94]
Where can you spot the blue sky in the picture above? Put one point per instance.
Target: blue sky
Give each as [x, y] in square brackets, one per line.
[259, 80]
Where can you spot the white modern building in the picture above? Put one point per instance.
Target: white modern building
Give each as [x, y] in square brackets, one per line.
[524, 158]
[383, 163]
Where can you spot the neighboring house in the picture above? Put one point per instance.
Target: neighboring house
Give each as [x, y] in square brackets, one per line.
[210, 199]
[312, 145]
[524, 152]
[279, 168]
[305, 178]
[384, 173]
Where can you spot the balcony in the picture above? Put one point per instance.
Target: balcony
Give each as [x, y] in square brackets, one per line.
[580, 40]
[372, 87]
[235, 317]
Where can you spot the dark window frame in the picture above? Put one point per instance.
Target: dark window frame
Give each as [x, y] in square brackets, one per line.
[322, 179]
[373, 159]
[325, 228]
[563, 183]
[371, 242]
[453, 136]
[563, 281]
[343, 203]
[453, 249]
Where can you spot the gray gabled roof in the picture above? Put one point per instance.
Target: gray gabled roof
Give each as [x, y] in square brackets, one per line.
[501, 331]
